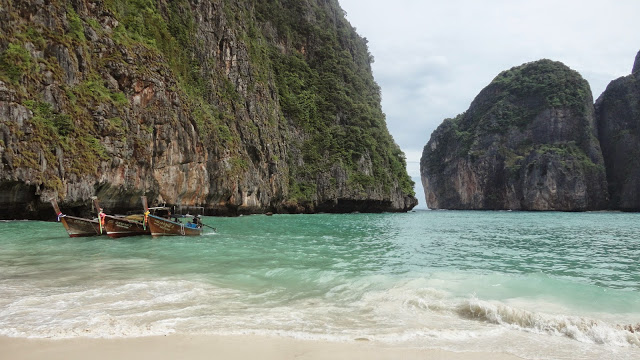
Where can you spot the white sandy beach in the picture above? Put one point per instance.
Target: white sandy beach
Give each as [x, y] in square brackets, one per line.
[218, 347]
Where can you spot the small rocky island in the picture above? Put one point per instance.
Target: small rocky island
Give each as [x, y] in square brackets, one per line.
[533, 140]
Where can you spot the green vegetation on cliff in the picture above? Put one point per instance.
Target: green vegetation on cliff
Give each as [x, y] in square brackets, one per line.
[169, 30]
[15, 61]
[521, 93]
[553, 83]
[326, 88]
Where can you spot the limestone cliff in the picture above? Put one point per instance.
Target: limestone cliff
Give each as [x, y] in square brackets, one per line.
[235, 105]
[618, 115]
[527, 142]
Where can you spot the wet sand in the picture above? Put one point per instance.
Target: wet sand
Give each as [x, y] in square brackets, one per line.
[219, 347]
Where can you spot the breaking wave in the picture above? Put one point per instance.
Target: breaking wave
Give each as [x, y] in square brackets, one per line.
[578, 328]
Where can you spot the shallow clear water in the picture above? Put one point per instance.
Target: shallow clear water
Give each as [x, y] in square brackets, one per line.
[538, 285]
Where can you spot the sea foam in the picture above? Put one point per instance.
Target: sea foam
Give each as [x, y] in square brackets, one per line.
[578, 328]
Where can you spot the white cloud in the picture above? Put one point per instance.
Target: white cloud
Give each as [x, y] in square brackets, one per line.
[433, 57]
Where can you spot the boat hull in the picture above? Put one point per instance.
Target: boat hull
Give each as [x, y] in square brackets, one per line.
[79, 227]
[162, 227]
[120, 227]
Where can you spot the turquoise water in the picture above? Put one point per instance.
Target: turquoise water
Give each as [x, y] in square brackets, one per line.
[537, 285]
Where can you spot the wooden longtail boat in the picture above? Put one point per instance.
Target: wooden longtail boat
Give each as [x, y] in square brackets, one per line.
[122, 226]
[76, 226]
[165, 226]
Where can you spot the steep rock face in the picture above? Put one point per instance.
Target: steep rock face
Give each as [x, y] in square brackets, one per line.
[618, 116]
[527, 142]
[226, 104]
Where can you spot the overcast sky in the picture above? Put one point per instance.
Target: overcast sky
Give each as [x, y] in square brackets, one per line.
[433, 57]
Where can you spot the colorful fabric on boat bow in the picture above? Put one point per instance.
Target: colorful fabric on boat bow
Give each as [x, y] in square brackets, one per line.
[144, 223]
[60, 216]
[101, 216]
